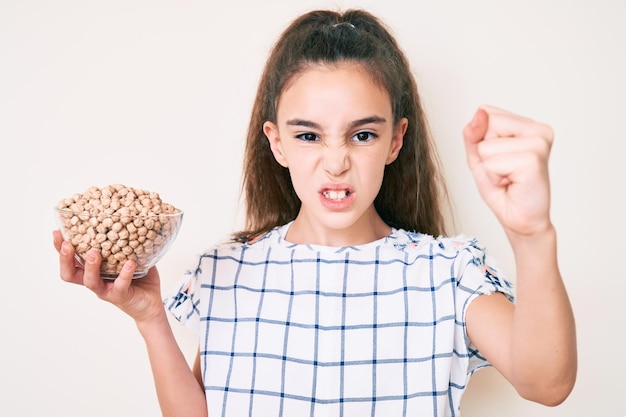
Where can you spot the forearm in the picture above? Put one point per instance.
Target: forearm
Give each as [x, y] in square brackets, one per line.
[543, 332]
[177, 389]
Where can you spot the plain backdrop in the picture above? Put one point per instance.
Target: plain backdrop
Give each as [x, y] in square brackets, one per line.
[156, 95]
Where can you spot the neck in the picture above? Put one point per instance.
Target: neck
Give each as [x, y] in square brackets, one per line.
[366, 230]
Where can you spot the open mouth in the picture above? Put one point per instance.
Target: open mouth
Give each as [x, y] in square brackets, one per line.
[336, 195]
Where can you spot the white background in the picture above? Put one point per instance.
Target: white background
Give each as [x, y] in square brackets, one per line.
[156, 95]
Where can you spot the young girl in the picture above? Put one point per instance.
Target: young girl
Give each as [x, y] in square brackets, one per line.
[341, 296]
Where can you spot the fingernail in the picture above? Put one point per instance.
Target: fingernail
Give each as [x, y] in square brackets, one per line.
[128, 265]
[91, 257]
[65, 248]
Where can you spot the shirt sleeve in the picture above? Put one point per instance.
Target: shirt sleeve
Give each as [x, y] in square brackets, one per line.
[184, 302]
[478, 275]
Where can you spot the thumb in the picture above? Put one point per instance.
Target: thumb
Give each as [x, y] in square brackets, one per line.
[125, 277]
[473, 133]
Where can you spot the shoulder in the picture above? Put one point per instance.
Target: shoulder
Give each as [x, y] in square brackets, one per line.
[234, 244]
[450, 245]
[229, 253]
[461, 250]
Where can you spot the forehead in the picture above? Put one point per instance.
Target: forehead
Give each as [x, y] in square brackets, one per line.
[332, 85]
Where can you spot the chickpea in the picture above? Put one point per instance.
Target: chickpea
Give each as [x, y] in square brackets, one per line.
[121, 222]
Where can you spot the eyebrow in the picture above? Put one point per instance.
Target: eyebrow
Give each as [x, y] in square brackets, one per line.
[354, 124]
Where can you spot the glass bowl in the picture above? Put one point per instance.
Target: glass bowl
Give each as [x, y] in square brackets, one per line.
[120, 237]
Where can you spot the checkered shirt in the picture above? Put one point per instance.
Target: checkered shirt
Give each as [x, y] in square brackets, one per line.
[308, 330]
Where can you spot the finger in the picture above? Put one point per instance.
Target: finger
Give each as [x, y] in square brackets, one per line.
[67, 263]
[493, 110]
[125, 278]
[507, 124]
[91, 275]
[514, 168]
[500, 146]
[57, 239]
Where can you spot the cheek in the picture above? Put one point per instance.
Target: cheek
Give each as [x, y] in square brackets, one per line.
[372, 170]
[302, 173]
[373, 164]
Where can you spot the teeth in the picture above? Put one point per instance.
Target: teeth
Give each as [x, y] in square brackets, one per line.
[336, 195]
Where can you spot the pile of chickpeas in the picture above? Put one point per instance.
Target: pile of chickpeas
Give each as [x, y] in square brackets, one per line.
[121, 222]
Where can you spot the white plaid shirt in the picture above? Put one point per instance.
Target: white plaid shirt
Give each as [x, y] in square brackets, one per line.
[296, 330]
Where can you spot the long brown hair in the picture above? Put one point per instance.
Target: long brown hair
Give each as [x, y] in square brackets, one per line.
[413, 191]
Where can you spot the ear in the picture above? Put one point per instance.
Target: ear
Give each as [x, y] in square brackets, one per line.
[271, 132]
[397, 140]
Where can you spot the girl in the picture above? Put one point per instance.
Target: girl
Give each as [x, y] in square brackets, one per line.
[341, 296]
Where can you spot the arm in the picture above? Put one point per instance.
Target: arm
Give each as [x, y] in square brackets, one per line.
[177, 387]
[532, 343]
[178, 390]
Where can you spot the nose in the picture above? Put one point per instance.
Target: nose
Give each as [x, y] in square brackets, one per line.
[336, 159]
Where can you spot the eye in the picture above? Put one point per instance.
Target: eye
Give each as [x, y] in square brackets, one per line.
[364, 136]
[308, 137]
